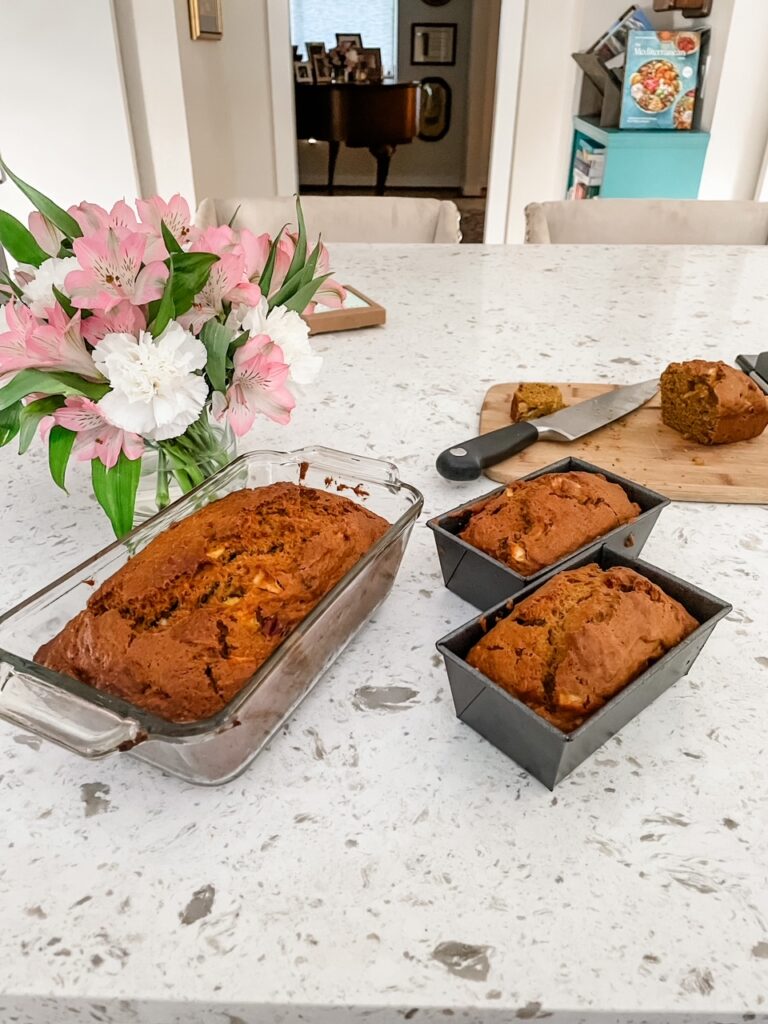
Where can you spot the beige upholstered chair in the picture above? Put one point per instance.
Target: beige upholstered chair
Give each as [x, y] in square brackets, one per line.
[647, 222]
[342, 218]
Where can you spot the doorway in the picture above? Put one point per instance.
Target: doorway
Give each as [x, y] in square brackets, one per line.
[448, 48]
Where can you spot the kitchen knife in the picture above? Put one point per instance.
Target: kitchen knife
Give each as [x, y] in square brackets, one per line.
[756, 367]
[466, 461]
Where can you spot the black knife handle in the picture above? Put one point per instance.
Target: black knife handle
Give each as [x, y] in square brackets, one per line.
[467, 460]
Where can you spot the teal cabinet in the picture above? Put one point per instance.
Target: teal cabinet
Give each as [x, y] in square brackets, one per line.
[645, 164]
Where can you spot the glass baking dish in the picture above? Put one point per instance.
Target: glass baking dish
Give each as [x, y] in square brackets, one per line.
[216, 749]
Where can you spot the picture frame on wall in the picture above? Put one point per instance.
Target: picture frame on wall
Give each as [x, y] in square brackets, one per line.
[322, 68]
[206, 19]
[433, 43]
[349, 39]
[434, 109]
[302, 71]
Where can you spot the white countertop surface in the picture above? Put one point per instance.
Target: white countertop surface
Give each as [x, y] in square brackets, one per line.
[322, 884]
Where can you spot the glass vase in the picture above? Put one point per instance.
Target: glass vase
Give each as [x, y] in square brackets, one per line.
[171, 468]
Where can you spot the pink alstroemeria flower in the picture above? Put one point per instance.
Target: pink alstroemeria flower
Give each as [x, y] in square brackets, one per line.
[96, 437]
[55, 345]
[14, 343]
[112, 271]
[258, 386]
[59, 343]
[227, 281]
[93, 219]
[45, 233]
[176, 217]
[124, 318]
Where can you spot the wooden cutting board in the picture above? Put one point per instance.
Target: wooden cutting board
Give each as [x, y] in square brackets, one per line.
[640, 447]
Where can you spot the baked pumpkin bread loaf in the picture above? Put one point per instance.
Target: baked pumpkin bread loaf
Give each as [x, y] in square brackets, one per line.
[533, 523]
[533, 400]
[567, 649]
[184, 624]
[712, 403]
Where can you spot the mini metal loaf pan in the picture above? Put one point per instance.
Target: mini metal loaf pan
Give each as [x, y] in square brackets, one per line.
[484, 581]
[536, 745]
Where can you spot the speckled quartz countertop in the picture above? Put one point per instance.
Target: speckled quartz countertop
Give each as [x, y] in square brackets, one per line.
[379, 861]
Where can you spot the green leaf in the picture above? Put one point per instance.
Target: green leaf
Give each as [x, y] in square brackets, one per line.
[216, 338]
[19, 241]
[232, 218]
[302, 276]
[63, 221]
[64, 302]
[300, 252]
[299, 302]
[170, 239]
[60, 442]
[10, 284]
[190, 273]
[166, 310]
[27, 382]
[31, 415]
[9, 423]
[239, 341]
[115, 491]
[269, 267]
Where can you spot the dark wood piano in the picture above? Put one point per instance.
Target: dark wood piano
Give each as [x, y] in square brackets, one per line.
[371, 116]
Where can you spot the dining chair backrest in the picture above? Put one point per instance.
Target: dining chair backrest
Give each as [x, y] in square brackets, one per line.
[341, 218]
[647, 222]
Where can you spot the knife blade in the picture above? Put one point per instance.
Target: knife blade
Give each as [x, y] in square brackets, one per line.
[467, 460]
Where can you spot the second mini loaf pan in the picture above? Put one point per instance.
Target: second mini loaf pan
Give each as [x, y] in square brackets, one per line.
[484, 581]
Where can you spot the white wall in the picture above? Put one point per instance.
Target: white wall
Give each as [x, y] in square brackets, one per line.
[740, 120]
[153, 83]
[227, 89]
[64, 125]
[481, 91]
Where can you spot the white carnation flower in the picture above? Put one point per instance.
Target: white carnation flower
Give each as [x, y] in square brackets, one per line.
[155, 390]
[38, 292]
[291, 333]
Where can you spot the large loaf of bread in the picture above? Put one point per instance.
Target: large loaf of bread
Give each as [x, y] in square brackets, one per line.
[184, 624]
[569, 647]
[534, 523]
[712, 403]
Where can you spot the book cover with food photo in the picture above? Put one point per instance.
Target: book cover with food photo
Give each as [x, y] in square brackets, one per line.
[660, 80]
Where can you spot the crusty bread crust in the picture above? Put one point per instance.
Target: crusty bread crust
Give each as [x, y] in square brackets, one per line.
[182, 627]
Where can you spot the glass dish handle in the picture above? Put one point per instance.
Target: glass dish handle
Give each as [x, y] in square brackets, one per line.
[62, 718]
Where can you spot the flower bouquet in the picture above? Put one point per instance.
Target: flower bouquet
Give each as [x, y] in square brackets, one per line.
[132, 340]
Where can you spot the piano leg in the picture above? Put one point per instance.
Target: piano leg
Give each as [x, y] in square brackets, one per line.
[333, 155]
[383, 156]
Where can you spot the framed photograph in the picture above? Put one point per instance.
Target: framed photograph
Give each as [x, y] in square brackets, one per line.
[322, 68]
[206, 20]
[433, 44]
[315, 50]
[348, 39]
[302, 72]
[368, 67]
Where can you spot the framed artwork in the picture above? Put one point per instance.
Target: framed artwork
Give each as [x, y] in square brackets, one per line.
[348, 39]
[315, 50]
[433, 44]
[206, 20]
[322, 68]
[435, 109]
[302, 72]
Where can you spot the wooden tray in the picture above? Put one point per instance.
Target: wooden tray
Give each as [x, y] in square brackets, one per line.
[640, 447]
[366, 313]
